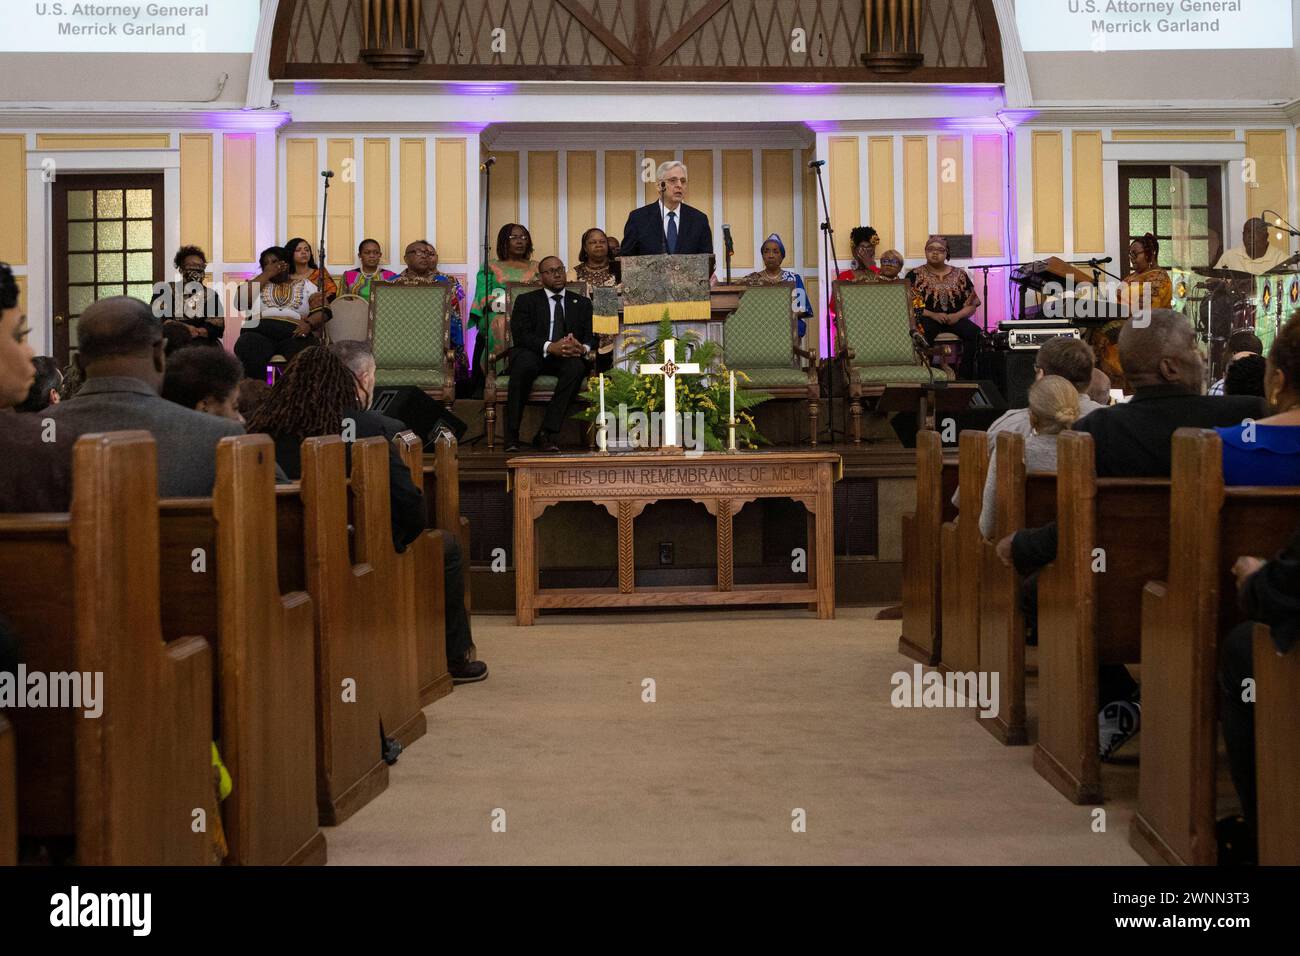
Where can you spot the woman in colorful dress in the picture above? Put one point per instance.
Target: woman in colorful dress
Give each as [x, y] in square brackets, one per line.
[357, 281]
[302, 265]
[598, 270]
[773, 251]
[514, 263]
[285, 316]
[1147, 286]
[864, 240]
[947, 299]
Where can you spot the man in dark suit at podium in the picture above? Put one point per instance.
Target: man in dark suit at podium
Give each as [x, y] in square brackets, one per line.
[668, 225]
[550, 330]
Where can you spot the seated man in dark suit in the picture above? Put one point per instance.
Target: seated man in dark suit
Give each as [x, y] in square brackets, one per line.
[550, 330]
[668, 225]
[1163, 364]
[120, 353]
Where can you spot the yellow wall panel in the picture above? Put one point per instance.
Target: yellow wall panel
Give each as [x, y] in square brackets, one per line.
[738, 206]
[649, 183]
[21, 282]
[505, 196]
[13, 199]
[778, 200]
[580, 199]
[1089, 202]
[812, 211]
[544, 202]
[238, 197]
[1048, 191]
[196, 190]
[986, 155]
[950, 173]
[377, 194]
[341, 230]
[880, 167]
[1267, 147]
[412, 175]
[622, 194]
[845, 193]
[449, 198]
[916, 195]
[103, 141]
[700, 185]
[302, 173]
[1173, 135]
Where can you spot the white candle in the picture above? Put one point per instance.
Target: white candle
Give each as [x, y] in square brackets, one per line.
[600, 425]
[731, 421]
[732, 408]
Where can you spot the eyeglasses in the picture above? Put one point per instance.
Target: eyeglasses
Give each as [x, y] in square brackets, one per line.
[552, 269]
[891, 262]
[676, 181]
[518, 235]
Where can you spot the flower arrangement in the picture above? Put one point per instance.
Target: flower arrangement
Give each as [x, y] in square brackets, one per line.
[706, 394]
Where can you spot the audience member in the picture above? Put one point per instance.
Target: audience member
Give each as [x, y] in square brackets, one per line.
[1245, 376]
[1267, 452]
[206, 380]
[72, 381]
[45, 389]
[1070, 359]
[1099, 388]
[1241, 343]
[286, 313]
[190, 309]
[252, 393]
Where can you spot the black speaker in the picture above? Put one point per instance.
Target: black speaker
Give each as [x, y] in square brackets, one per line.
[985, 408]
[417, 411]
[1012, 371]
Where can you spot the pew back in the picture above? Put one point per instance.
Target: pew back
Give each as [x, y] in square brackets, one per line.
[1277, 749]
[8, 795]
[960, 558]
[920, 638]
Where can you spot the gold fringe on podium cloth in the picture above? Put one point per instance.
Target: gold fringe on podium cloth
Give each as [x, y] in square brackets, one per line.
[677, 311]
[604, 324]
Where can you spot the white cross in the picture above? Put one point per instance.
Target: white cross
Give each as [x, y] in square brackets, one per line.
[668, 370]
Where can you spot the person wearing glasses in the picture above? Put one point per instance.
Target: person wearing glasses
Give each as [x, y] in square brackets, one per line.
[667, 225]
[514, 263]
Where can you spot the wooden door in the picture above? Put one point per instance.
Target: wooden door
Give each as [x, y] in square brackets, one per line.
[108, 240]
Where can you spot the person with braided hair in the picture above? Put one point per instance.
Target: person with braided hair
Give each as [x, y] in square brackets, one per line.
[863, 240]
[1145, 288]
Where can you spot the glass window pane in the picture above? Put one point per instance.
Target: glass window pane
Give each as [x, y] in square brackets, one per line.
[139, 203]
[1166, 259]
[1198, 191]
[81, 235]
[79, 298]
[1199, 249]
[81, 204]
[1198, 221]
[110, 268]
[110, 235]
[139, 267]
[1162, 192]
[108, 203]
[139, 234]
[143, 292]
[72, 336]
[1164, 222]
[1139, 221]
[1139, 192]
[106, 291]
[81, 268]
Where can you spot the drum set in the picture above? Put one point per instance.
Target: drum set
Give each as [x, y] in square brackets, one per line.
[1220, 302]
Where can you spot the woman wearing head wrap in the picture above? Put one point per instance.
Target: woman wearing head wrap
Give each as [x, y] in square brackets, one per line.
[864, 240]
[1146, 287]
[947, 299]
[773, 250]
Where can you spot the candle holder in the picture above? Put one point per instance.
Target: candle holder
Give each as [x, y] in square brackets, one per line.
[731, 437]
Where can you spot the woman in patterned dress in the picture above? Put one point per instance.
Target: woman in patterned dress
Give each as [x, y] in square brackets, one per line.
[773, 251]
[514, 263]
[946, 300]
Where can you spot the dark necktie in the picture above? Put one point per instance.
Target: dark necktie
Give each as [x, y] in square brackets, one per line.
[557, 320]
[672, 232]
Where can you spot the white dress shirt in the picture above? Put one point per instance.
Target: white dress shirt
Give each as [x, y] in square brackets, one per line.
[550, 329]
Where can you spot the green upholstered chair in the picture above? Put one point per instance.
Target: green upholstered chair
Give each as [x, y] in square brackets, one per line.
[410, 333]
[761, 339]
[496, 388]
[874, 335]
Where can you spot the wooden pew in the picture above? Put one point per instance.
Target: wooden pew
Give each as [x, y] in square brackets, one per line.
[1277, 751]
[922, 623]
[441, 484]
[8, 795]
[392, 620]
[1024, 501]
[1087, 618]
[263, 643]
[313, 555]
[1183, 619]
[422, 564]
[82, 593]
[959, 548]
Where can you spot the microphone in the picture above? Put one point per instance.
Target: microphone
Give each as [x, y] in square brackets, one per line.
[816, 163]
[726, 238]
[490, 161]
[1099, 262]
[327, 173]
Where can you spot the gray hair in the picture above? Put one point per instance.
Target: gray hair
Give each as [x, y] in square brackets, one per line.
[355, 355]
[662, 171]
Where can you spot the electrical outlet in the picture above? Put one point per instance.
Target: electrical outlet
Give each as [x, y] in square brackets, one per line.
[665, 552]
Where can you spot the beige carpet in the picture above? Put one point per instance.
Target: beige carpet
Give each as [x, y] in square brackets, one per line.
[757, 714]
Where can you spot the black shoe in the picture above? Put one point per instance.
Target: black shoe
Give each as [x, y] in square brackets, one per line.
[512, 446]
[391, 750]
[1237, 845]
[467, 671]
[544, 442]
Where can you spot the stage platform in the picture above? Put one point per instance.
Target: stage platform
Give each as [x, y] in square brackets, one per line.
[675, 540]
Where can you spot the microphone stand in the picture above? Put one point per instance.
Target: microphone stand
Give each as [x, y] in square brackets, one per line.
[828, 256]
[483, 267]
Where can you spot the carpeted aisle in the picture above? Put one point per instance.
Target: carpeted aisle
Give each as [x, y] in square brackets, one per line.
[757, 714]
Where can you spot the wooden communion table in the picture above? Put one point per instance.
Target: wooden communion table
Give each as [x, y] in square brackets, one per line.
[625, 483]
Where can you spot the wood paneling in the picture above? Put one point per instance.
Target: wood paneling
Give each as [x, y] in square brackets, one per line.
[341, 230]
[377, 194]
[302, 174]
[56, 141]
[699, 191]
[738, 205]
[580, 199]
[544, 202]
[880, 169]
[950, 172]
[845, 191]
[1267, 147]
[1172, 135]
[450, 198]
[812, 211]
[196, 190]
[778, 200]
[505, 195]
[621, 188]
[1048, 191]
[412, 177]
[990, 193]
[1089, 201]
[916, 195]
[238, 197]
[13, 198]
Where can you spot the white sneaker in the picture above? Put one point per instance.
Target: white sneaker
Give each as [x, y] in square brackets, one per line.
[1117, 723]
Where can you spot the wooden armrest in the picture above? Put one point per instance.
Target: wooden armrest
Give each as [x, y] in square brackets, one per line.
[803, 353]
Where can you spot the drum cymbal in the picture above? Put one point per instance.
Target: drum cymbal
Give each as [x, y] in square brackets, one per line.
[1223, 274]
